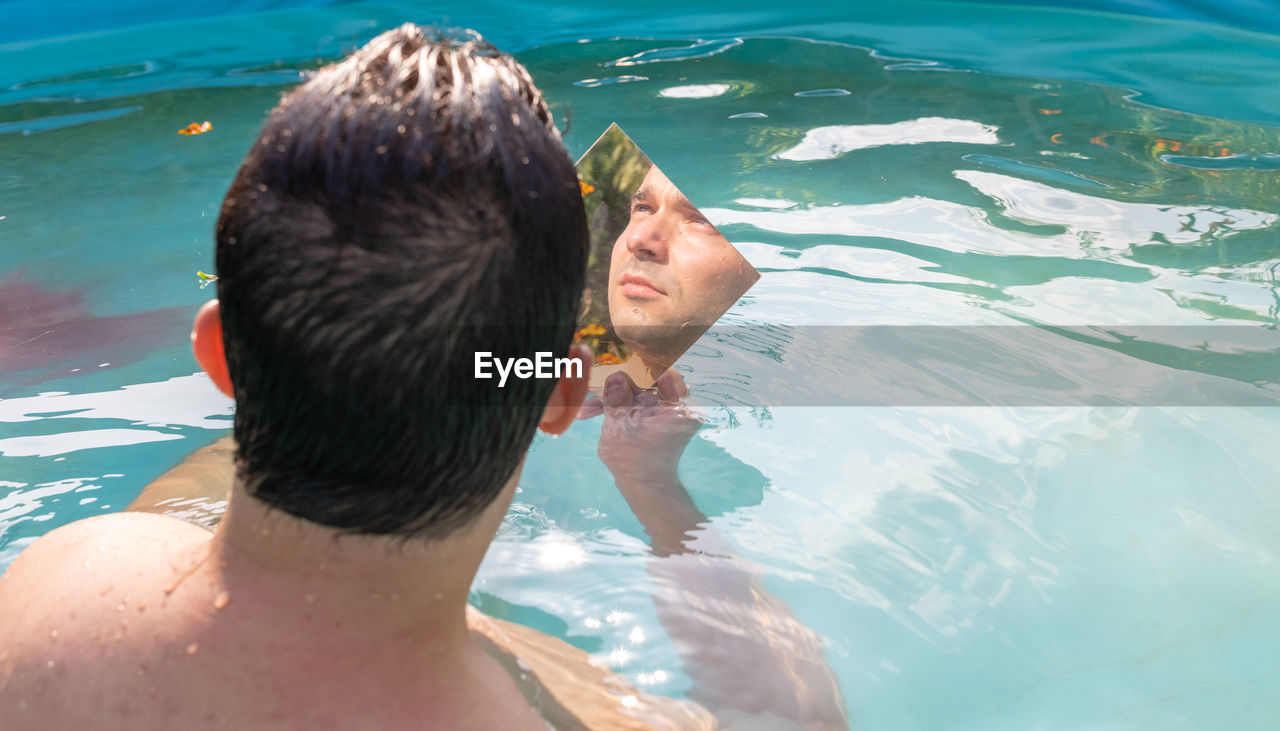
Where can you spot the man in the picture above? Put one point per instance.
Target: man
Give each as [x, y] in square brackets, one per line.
[401, 210]
[671, 276]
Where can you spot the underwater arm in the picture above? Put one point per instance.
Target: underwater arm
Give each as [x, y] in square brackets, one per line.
[751, 661]
[196, 490]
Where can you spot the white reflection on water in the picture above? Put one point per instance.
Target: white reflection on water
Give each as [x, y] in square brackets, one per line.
[19, 502]
[915, 219]
[182, 401]
[809, 298]
[825, 143]
[1079, 227]
[767, 202]
[556, 551]
[694, 91]
[48, 445]
[1169, 299]
[1091, 222]
[859, 261]
[1108, 224]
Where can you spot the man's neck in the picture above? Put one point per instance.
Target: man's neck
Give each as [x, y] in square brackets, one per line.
[378, 588]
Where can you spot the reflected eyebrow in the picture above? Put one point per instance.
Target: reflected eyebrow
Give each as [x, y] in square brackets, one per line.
[641, 194]
[683, 203]
[644, 192]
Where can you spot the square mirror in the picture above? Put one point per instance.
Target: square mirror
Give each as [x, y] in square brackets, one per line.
[659, 274]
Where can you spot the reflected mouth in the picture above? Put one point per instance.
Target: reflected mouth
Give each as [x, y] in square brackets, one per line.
[633, 285]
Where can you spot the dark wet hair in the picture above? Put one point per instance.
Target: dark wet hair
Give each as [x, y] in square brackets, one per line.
[401, 210]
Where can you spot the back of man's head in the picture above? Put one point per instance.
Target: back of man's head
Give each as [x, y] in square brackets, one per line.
[401, 210]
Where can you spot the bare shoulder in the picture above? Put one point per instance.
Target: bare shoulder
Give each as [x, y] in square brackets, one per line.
[64, 598]
[96, 547]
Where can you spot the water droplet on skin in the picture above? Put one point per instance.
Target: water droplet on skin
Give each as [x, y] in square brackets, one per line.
[439, 596]
[309, 598]
[221, 599]
[49, 664]
[193, 648]
[395, 597]
[120, 607]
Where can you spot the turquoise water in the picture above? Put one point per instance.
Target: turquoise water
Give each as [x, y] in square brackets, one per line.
[968, 568]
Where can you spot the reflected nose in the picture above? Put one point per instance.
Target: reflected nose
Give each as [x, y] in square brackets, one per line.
[650, 237]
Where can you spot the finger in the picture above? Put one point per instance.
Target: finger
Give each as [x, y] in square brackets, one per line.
[591, 408]
[618, 391]
[671, 386]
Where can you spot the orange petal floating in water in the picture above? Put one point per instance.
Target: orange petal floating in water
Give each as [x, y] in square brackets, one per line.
[1049, 111]
[196, 128]
[1099, 140]
[1056, 139]
[586, 187]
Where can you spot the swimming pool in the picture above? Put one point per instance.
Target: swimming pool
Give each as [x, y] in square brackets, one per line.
[1045, 566]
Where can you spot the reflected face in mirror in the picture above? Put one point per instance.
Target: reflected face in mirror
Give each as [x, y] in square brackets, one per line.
[671, 274]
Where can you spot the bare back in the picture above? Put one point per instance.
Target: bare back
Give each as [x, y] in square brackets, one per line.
[114, 622]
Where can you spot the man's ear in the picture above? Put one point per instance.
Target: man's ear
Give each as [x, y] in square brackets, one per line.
[562, 408]
[206, 341]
